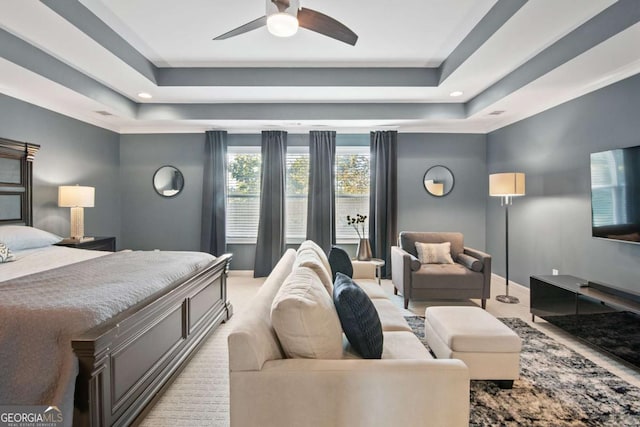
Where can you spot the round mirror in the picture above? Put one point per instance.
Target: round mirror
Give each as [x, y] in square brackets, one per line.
[168, 181]
[438, 181]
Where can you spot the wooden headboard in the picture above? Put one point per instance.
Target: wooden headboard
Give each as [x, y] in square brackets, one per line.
[16, 181]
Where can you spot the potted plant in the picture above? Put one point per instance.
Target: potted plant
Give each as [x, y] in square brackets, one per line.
[364, 247]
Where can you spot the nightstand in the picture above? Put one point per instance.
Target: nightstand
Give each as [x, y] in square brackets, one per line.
[91, 243]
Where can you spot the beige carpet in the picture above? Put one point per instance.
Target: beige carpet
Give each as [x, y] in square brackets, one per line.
[200, 394]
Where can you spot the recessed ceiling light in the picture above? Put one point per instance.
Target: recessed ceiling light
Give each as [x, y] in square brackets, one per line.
[456, 93]
[144, 95]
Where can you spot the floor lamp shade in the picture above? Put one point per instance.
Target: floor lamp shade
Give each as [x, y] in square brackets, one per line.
[77, 198]
[506, 185]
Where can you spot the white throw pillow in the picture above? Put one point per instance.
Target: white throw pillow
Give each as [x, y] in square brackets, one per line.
[5, 254]
[309, 258]
[434, 253]
[20, 237]
[311, 245]
[305, 319]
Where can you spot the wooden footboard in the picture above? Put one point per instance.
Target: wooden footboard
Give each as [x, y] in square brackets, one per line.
[127, 361]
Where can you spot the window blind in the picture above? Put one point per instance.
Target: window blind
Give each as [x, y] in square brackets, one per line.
[297, 190]
[243, 194]
[352, 190]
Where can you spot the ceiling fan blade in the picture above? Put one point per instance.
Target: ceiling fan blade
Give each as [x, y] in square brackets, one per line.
[250, 26]
[326, 25]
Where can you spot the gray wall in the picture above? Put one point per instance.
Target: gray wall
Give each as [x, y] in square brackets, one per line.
[551, 226]
[150, 221]
[72, 152]
[461, 210]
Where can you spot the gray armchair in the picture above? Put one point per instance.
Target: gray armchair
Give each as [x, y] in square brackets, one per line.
[468, 277]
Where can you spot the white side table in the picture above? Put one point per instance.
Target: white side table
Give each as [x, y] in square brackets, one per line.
[377, 262]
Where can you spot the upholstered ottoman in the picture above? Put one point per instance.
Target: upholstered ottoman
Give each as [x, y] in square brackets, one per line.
[487, 346]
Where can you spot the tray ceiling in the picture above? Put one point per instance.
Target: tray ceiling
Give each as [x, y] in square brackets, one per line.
[516, 56]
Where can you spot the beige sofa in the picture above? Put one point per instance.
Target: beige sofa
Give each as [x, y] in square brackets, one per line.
[406, 387]
[440, 281]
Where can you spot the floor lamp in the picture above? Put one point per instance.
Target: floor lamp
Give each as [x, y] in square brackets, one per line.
[506, 186]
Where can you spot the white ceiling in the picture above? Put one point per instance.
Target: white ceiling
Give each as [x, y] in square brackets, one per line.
[413, 33]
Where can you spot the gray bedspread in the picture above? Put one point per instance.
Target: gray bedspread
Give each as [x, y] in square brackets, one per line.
[40, 313]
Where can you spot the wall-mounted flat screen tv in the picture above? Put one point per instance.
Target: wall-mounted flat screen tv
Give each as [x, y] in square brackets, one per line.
[615, 194]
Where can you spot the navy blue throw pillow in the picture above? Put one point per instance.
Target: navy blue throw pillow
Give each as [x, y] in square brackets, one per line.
[340, 262]
[358, 316]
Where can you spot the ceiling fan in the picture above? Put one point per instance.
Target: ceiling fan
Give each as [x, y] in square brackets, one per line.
[283, 18]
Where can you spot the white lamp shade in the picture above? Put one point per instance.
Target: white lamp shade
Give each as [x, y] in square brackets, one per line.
[282, 24]
[506, 184]
[72, 196]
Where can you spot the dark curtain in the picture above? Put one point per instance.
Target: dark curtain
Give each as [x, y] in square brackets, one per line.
[383, 199]
[321, 206]
[271, 226]
[214, 194]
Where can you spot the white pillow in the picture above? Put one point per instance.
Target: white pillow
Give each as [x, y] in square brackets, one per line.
[5, 254]
[19, 237]
[434, 253]
[311, 245]
[305, 319]
[309, 258]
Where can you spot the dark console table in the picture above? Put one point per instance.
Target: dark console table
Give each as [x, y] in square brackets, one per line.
[602, 315]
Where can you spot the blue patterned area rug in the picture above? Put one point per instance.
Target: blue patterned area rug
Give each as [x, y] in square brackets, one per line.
[557, 387]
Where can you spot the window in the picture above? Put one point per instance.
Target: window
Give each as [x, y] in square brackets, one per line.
[297, 188]
[243, 194]
[352, 190]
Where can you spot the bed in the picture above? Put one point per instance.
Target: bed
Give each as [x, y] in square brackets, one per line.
[100, 334]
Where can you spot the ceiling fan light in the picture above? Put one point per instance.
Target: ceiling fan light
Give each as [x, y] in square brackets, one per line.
[282, 24]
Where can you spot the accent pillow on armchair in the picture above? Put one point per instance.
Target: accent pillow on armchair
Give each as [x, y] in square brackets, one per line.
[470, 262]
[434, 253]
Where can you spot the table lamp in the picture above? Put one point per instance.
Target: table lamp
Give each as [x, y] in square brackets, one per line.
[77, 198]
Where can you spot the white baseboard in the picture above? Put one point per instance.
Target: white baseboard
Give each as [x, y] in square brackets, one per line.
[511, 282]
